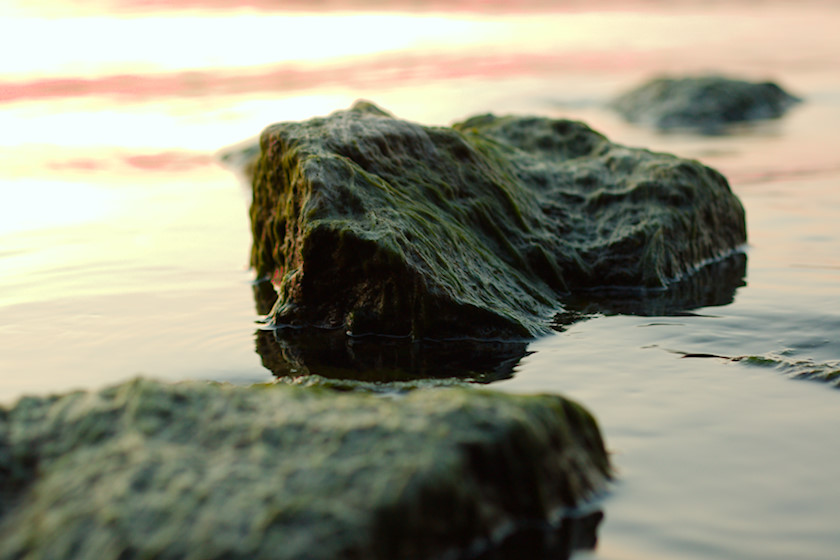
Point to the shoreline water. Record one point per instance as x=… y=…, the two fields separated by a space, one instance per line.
x=124 y=251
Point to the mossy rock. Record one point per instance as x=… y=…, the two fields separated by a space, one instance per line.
x=371 y=224
x=706 y=104
x=198 y=470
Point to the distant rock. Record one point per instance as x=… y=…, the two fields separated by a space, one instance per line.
x=241 y=158
x=198 y=470
x=372 y=224
x=705 y=104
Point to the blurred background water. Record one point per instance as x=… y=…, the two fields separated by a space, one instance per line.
x=124 y=242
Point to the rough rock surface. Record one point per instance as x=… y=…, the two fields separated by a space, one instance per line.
x=377 y=225
x=195 y=470
x=705 y=104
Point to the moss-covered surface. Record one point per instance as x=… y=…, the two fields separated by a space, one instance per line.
x=372 y=224
x=706 y=104
x=196 y=470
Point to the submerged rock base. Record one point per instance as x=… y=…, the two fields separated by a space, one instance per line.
x=289 y=352
x=371 y=224
x=195 y=470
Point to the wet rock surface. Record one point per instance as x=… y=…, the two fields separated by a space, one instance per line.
x=705 y=104
x=371 y=224
x=197 y=470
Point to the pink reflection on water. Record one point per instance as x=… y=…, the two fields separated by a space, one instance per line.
x=386 y=70
x=168 y=161
x=444 y=6
x=440 y=6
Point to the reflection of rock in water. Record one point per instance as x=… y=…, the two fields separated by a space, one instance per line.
x=540 y=540
x=333 y=354
x=712 y=285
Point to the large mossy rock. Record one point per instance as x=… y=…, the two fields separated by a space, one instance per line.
x=377 y=225
x=194 y=470
x=704 y=104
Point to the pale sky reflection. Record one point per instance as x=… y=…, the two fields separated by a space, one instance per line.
x=31 y=205
x=96 y=45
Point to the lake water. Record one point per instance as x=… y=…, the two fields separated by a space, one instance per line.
x=124 y=243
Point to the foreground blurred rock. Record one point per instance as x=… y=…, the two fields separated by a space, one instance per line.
x=377 y=225
x=704 y=104
x=194 y=470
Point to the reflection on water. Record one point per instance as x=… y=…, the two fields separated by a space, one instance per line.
x=711 y=286
x=335 y=355
x=539 y=541
x=123 y=247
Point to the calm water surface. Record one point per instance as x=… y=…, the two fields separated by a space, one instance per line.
x=124 y=243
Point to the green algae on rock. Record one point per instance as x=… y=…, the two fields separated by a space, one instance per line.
x=373 y=224
x=198 y=470
x=705 y=104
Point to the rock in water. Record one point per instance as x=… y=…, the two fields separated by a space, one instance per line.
x=378 y=225
x=194 y=470
x=705 y=104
